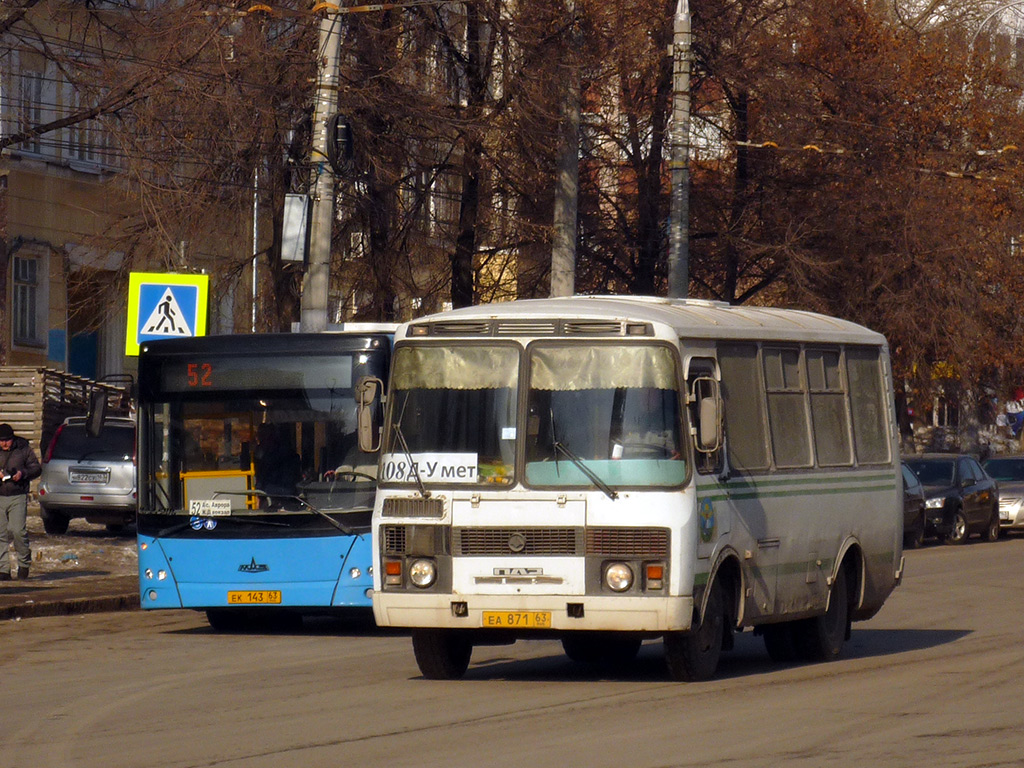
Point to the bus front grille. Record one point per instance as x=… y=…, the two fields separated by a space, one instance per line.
x=518 y=541
x=628 y=542
x=392 y=539
x=398 y=507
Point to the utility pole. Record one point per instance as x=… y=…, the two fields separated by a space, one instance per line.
x=563 y=237
x=679 y=162
x=316 y=281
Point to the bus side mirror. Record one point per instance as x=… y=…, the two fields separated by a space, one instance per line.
x=367 y=389
x=97 y=413
x=710 y=436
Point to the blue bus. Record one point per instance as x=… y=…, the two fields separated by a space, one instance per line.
x=255 y=494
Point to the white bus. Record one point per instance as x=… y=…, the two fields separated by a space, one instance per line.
x=608 y=469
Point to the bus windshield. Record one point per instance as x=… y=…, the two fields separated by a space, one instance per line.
x=453 y=415
x=598 y=414
x=612 y=408
x=224 y=427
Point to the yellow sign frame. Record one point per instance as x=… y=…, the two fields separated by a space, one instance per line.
x=136 y=283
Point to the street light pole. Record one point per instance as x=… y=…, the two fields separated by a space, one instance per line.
x=563 y=238
x=679 y=162
x=316 y=281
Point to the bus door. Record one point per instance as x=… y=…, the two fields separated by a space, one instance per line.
x=702 y=393
x=747 y=463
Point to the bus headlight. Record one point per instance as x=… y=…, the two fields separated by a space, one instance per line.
x=618 y=577
x=423 y=573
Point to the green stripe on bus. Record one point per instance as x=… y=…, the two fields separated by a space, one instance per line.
x=821 y=490
x=816 y=479
x=800 y=566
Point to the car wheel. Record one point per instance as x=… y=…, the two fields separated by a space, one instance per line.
x=442 y=654
x=54 y=522
x=692 y=656
x=821 y=638
x=958 y=533
x=913 y=538
x=992 y=531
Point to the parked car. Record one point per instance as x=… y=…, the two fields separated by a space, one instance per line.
x=1008 y=471
x=961 y=498
x=913 y=509
x=87 y=476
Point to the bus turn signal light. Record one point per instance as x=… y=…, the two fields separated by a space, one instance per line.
x=655 y=574
x=393 y=573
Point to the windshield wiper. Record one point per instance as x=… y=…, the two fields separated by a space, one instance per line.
x=405 y=449
x=554 y=439
x=264 y=495
x=591 y=475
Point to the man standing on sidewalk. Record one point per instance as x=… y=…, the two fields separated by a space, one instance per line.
x=18 y=465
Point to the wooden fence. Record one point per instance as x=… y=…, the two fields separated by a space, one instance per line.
x=34 y=401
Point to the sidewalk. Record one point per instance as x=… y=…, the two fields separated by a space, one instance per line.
x=87 y=570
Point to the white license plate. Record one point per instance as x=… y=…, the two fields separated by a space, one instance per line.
x=88 y=476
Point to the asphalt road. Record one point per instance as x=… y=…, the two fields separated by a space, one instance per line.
x=935 y=679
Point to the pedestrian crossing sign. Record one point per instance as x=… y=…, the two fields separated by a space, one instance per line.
x=165 y=306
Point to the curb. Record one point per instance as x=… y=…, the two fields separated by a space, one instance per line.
x=105 y=604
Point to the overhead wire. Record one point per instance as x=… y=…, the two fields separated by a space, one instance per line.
x=835 y=150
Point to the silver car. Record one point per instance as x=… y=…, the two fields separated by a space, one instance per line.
x=90 y=477
x=1009 y=471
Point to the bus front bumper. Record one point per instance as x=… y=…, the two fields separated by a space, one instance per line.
x=566 y=612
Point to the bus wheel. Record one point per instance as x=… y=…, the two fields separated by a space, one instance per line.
x=228 y=620
x=606 y=648
x=441 y=654
x=780 y=642
x=693 y=656
x=821 y=638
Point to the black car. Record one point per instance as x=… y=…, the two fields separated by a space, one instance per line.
x=961 y=498
x=913 y=509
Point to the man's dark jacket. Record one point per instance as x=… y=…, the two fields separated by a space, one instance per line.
x=21 y=456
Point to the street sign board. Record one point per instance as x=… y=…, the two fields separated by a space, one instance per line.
x=165 y=306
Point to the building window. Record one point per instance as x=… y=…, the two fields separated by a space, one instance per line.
x=31 y=111
x=25 y=303
x=87 y=140
x=83 y=144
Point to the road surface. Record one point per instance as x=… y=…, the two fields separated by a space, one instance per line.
x=935 y=679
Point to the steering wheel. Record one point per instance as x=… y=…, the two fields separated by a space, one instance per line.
x=353 y=475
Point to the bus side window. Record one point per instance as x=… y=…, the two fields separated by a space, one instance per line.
x=702 y=390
